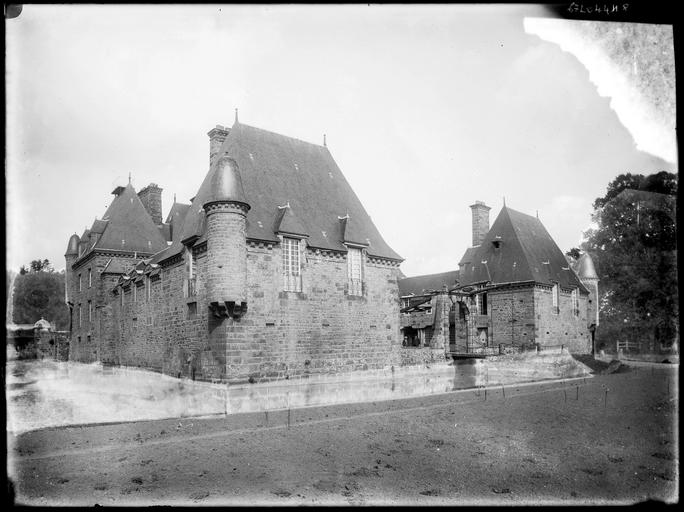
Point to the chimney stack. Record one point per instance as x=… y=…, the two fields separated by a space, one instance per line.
x=150 y=196
x=480 y=222
x=216 y=138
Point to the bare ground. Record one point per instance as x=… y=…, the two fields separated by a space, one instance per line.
x=611 y=439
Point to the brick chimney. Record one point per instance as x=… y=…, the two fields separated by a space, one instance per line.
x=216 y=138
x=480 y=222
x=150 y=196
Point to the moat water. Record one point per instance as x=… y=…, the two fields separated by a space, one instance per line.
x=44 y=393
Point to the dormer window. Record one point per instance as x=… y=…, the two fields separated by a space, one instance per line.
x=355 y=270
x=292 y=272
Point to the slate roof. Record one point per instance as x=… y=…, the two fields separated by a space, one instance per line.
x=419 y=285
x=276 y=170
x=113 y=267
x=526 y=253
x=126 y=219
x=98 y=226
x=177 y=213
x=467 y=255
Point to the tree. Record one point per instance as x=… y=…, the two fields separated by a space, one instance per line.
x=37 y=266
x=40 y=293
x=574 y=253
x=636 y=245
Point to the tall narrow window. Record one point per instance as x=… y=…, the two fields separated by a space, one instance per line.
x=135 y=292
x=191 y=269
x=79 y=315
x=355 y=271
x=292 y=275
x=90 y=311
x=148 y=288
x=122 y=298
x=575 y=302
x=555 y=293
x=482 y=304
x=79 y=282
x=90 y=278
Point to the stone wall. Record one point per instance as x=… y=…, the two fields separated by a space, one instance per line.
x=411 y=356
x=322 y=329
x=524 y=315
x=512 y=316
x=98 y=294
x=52 y=345
x=563 y=327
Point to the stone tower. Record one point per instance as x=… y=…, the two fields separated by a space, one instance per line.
x=584 y=267
x=587 y=274
x=71 y=256
x=226 y=223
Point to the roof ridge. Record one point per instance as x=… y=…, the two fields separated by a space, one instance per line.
x=279 y=135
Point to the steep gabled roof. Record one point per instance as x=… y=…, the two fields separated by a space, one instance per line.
x=419 y=285
x=276 y=170
x=525 y=253
x=177 y=213
x=128 y=220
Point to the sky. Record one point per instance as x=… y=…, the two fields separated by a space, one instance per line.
x=426 y=109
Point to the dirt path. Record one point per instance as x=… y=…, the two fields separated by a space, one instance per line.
x=565 y=443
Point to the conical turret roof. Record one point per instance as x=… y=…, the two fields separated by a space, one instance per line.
x=72 y=246
x=585 y=267
x=226 y=183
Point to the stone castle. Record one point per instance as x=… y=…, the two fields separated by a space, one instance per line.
x=273 y=270
x=513 y=289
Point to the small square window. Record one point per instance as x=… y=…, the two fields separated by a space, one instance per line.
x=192 y=309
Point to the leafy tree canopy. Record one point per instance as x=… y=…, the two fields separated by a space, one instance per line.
x=662 y=182
x=39 y=292
x=635 y=243
x=37 y=266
